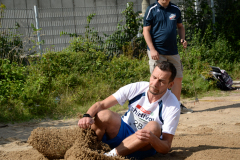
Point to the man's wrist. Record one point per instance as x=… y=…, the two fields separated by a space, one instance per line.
x=87 y=115
x=152 y=48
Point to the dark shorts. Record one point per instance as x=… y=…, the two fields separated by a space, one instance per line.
x=125 y=131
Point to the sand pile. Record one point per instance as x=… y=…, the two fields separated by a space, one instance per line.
x=69 y=143
x=22 y=155
x=53 y=142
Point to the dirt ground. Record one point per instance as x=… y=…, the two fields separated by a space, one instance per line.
x=212 y=131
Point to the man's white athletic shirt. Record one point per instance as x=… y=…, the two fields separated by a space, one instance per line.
x=165 y=111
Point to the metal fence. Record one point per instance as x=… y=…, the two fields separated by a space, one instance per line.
x=53 y=21
x=17 y=21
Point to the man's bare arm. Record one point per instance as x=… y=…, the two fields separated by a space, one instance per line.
x=85 y=122
x=101 y=105
x=161 y=146
x=148 y=39
x=181 y=32
x=164 y=145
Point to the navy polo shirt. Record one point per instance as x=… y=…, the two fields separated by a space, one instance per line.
x=163 y=24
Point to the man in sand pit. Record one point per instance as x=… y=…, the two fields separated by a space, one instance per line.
x=150 y=122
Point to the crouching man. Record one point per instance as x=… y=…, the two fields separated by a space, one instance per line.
x=150 y=122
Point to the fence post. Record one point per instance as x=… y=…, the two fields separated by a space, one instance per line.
x=213 y=11
x=37 y=27
x=197 y=9
x=145 y=4
x=213 y=15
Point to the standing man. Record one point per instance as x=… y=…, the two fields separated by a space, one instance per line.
x=149 y=124
x=160 y=23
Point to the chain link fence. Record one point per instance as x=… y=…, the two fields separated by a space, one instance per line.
x=15 y=23
x=53 y=21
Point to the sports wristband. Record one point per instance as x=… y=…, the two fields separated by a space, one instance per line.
x=87 y=115
x=182 y=41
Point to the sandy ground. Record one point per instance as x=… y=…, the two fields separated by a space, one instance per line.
x=212 y=131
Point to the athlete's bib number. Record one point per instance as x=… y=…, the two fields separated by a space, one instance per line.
x=137 y=122
x=138 y=125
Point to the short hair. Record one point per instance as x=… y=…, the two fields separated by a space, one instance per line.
x=168 y=66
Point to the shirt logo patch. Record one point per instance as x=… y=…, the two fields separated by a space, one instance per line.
x=172 y=16
x=143 y=110
x=158 y=10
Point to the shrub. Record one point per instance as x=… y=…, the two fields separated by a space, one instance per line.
x=12 y=79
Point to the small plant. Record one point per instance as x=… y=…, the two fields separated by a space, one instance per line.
x=87 y=43
x=135 y=48
x=110 y=44
x=127 y=32
x=12 y=79
x=11 y=43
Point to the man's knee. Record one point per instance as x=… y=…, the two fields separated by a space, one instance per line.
x=107 y=118
x=105 y=115
x=107 y=122
x=154 y=127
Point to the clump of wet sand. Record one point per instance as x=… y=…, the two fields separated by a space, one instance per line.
x=69 y=143
x=53 y=142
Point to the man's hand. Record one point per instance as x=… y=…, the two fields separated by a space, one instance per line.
x=184 y=43
x=144 y=135
x=85 y=122
x=154 y=54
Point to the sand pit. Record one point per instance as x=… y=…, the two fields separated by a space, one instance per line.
x=211 y=132
x=68 y=143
